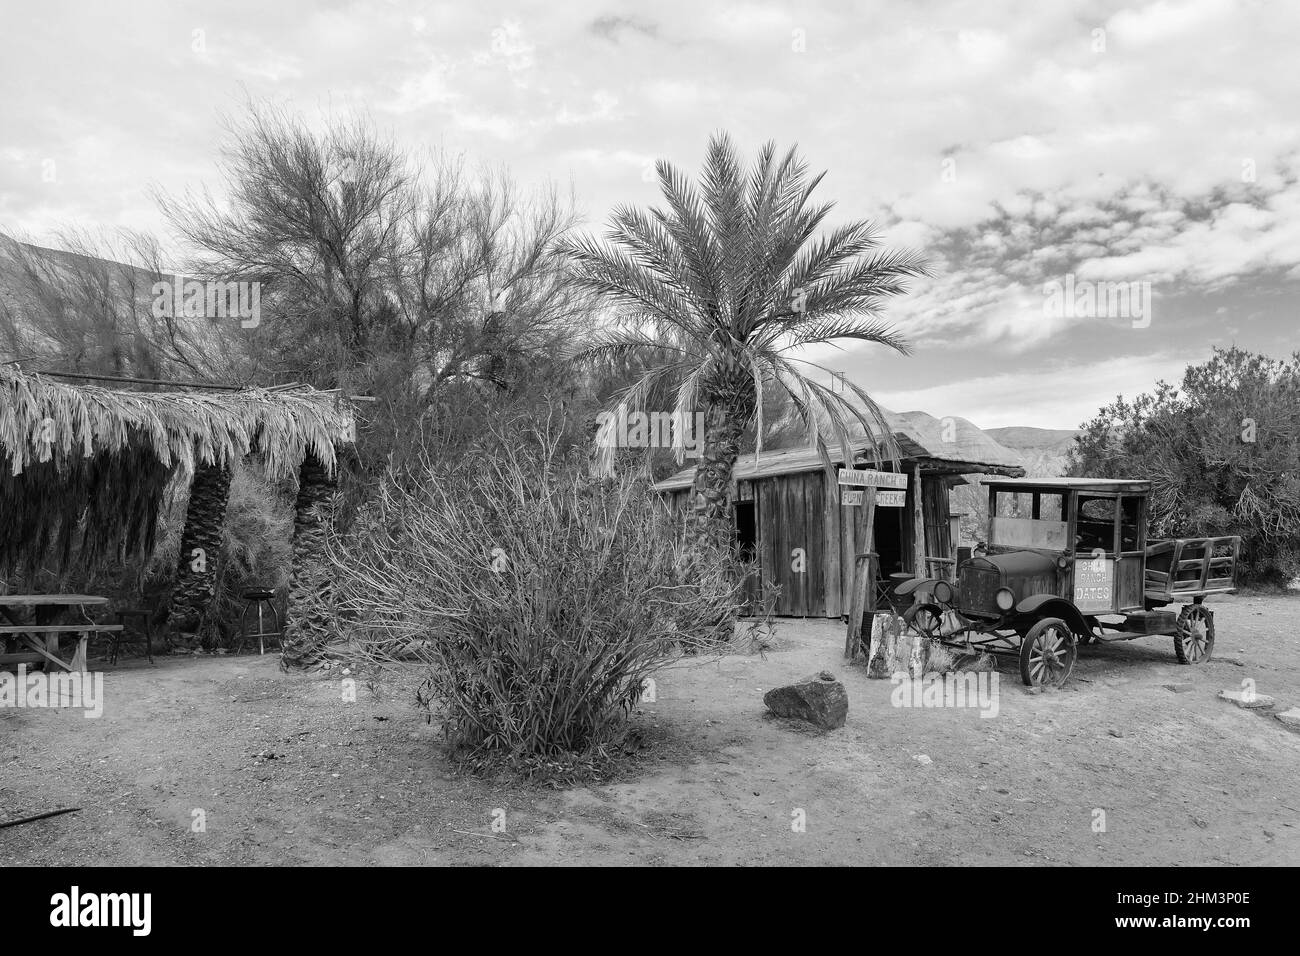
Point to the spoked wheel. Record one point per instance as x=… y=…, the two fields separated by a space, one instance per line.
x=1194 y=642
x=925 y=618
x=1047 y=653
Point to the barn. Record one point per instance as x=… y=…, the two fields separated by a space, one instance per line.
x=791 y=516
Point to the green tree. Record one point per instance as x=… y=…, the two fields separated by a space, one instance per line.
x=1222 y=455
x=730 y=281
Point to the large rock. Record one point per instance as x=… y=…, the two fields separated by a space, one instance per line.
x=819 y=699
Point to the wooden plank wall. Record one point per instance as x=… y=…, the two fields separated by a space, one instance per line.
x=938 y=528
x=803 y=510
x=832 y=585
x=791 y=516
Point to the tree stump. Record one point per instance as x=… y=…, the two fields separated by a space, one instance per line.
x=885 y=631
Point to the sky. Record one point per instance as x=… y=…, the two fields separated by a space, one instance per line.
x=1035 y=152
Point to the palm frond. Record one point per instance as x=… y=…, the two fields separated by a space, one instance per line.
x=79 y=459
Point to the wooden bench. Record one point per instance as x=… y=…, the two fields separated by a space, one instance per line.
x=39 y=653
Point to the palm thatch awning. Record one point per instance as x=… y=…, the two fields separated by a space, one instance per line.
x=89 y=465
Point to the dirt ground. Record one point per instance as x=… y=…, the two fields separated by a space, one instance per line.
x=285 y=772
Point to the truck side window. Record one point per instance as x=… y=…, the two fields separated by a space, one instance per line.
x=1130 y=509
x=1095 y=525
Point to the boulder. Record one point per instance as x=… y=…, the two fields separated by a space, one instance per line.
x=819 y=699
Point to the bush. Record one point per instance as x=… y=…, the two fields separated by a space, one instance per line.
x=539 y=598
x=1222 y=454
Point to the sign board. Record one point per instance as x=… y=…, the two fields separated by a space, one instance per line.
x=872 y=479
x=850 y=497
x=1094 y=582
x=890 y=498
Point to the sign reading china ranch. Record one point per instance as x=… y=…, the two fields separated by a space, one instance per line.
x=891 y=499
x=872 y=479
x=850 y=497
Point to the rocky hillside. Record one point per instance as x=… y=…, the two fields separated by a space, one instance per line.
x=1042 y=451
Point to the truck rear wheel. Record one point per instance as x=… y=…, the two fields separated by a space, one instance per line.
x=1194 y=641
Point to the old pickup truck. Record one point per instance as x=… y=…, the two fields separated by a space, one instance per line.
x=1068 y=563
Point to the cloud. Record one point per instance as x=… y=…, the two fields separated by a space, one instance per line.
x=1003 y=142
x=613 y=28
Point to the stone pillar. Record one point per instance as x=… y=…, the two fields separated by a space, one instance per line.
x=196 y=569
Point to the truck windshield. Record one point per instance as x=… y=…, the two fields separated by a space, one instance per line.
x=1028 y=519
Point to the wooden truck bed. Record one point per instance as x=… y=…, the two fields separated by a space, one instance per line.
x=1191 y=567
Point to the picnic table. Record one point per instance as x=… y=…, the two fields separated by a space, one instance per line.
x=40 y=636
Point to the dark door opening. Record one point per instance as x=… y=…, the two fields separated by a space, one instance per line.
x=747 y=550
x=889 y=540
x=746 y=531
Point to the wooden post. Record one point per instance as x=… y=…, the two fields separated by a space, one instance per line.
x=863 y=600
x=918 y=523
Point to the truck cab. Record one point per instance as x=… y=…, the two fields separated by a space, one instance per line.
x=1082 y=540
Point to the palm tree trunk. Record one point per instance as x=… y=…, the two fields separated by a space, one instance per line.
x=305 y=626
x=196 y=571
x=710 y=521
x=712 y=489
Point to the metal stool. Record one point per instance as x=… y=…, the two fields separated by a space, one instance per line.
x=146 y=627
x=259 y=604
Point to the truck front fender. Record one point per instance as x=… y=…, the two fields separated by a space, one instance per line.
x=1050 y=605
x=924 y=585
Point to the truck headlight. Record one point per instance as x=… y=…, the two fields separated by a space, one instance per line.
x=1005 y=599
x=943 y=592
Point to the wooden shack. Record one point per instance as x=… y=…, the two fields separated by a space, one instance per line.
x=788 y=512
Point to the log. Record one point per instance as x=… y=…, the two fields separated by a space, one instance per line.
x=885 y=630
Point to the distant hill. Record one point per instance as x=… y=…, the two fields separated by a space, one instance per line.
x=1043 y=451
x=954 y=437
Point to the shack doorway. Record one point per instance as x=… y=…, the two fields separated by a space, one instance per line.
x=890 y=543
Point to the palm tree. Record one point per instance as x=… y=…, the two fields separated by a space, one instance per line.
x=729 y=281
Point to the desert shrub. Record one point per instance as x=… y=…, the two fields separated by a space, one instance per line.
x=538 y=597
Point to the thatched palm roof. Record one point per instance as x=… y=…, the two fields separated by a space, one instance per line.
x=97 y=460
x=949 y=446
